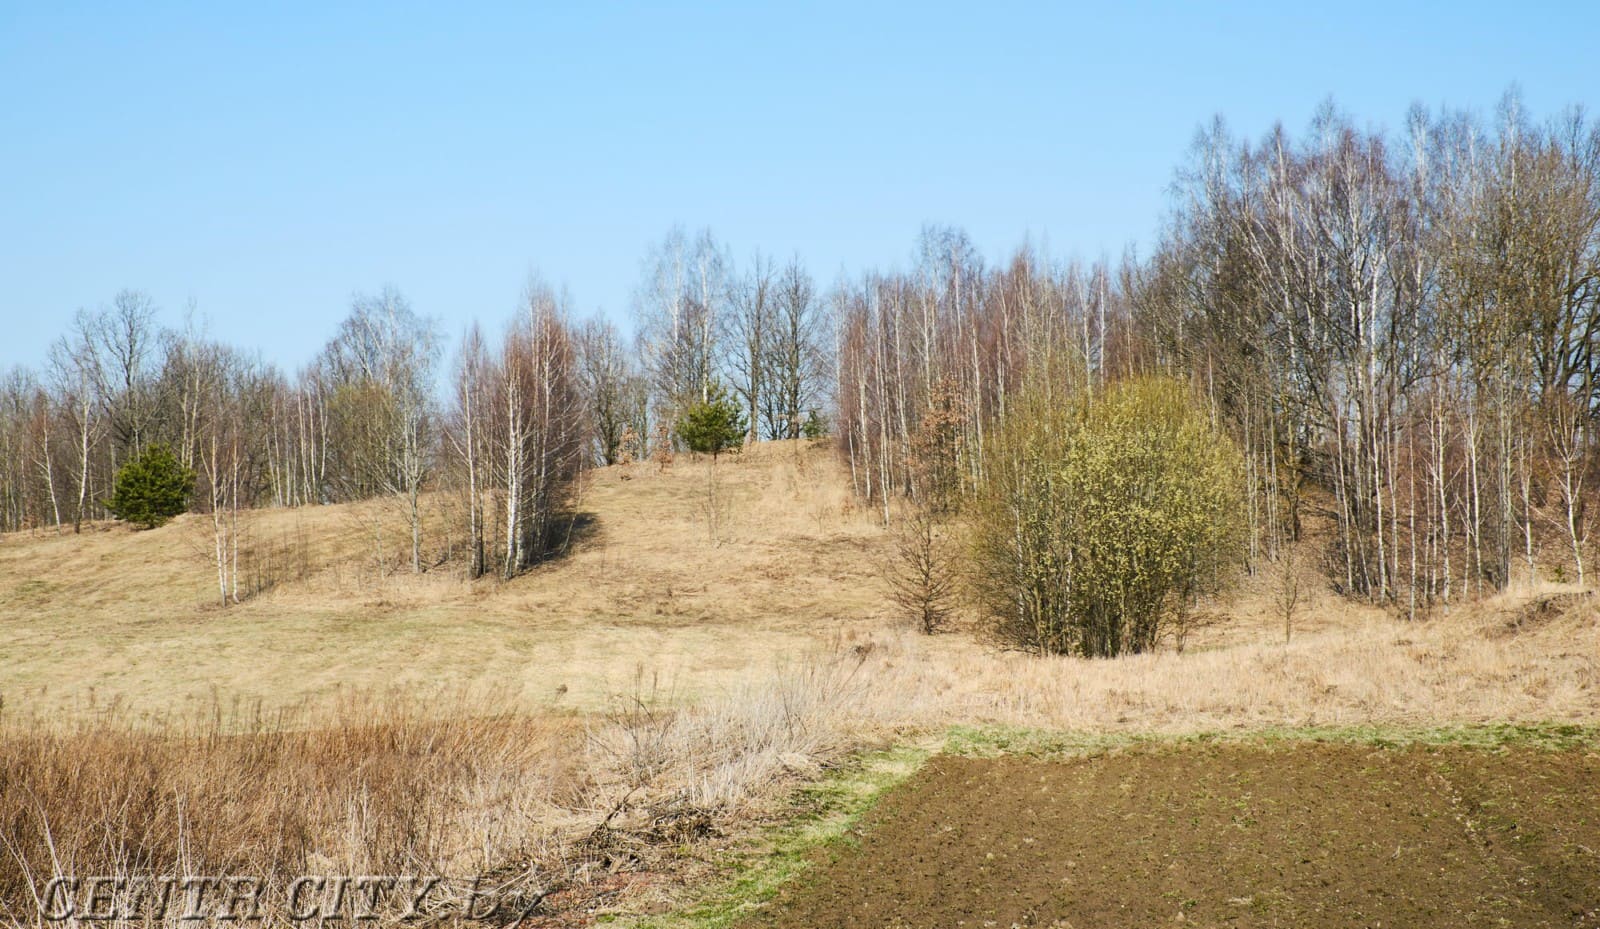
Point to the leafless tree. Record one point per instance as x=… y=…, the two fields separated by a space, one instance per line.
x=468 y=434
x=751 y=328
x=796 y=365
x=380 y=367
x=922 y=576
x=606 y=379
x=677 y=308
x=127 y=338
x=76 y=372
x=539 y=427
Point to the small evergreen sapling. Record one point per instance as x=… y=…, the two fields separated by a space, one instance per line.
x=712 y=426
x=815 y=427
x=151 y=488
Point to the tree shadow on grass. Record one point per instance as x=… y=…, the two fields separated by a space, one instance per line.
x=568 y=533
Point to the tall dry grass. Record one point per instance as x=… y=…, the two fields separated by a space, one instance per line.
x=1372 y=671
x=528 y=806
x=547 y=804
x=367 y=787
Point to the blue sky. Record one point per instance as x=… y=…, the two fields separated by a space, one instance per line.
x=268 y=160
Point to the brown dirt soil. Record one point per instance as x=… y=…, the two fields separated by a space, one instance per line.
x=1305 y=835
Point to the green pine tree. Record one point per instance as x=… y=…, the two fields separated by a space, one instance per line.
x=151 y=488
x=713 y=426
x=815 y=427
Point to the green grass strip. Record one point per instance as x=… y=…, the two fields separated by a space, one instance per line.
x=755 y=871
x=995 y=741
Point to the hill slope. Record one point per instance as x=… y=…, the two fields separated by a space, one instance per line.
x=656 y=600
x=115 y=614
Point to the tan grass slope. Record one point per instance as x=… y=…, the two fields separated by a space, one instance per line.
x=116 y=615
x=690 y=582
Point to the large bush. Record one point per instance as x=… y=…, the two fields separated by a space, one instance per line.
x=1101 y=523
x=151 y=488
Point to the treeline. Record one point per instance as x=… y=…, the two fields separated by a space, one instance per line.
x=1399 y=330
x=932 y=360
x=506 y=426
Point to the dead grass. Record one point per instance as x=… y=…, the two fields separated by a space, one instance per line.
x=531 y=806
x=371 y=788
x=659 y=684
x=1374 y=671
x=122 y=617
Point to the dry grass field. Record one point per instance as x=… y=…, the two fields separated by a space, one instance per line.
x=118 y=616
x=572 y=731
x=651 y=598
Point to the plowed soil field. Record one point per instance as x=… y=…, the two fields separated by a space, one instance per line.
x=1252 y=834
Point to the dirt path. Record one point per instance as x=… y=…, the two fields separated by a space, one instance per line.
x=1307 y=835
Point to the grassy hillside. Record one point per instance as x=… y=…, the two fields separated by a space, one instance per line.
x=598 y=733
x=118 y=615
x=655 y=599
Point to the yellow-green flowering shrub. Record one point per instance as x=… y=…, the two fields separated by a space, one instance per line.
x=1100 y=525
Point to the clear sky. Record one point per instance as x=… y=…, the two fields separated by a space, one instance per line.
x=268 y=160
